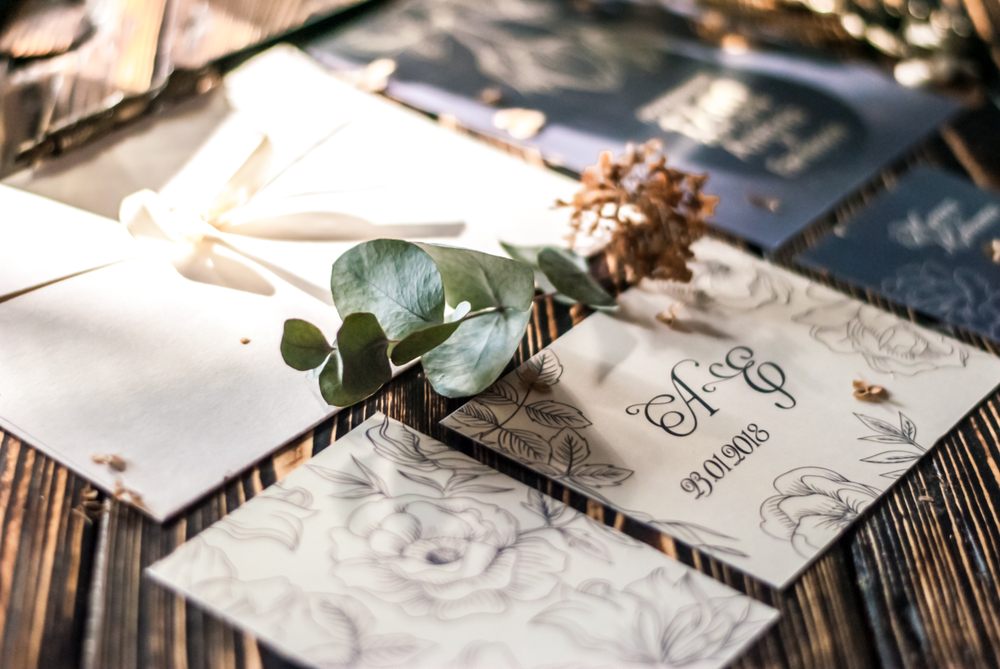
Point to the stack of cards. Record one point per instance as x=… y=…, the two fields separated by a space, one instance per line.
x=784 y=138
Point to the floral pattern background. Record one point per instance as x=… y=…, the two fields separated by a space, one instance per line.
x=389 y=549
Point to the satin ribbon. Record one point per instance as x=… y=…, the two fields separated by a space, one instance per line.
x=203 y=243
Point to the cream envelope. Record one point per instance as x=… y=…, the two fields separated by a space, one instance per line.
x=133 y=359
x=143 y=358
x=346 y=166
x=736 y=430
x=391 y=550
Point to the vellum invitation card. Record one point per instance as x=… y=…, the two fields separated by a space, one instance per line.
x=391 y=550
x=926 y=244
x=783 y=138
x=162 y=346
x=735 y=430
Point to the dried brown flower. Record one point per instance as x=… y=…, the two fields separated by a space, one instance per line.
x=652 y=212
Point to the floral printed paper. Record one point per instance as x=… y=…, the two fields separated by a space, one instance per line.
x=736 y=429
x=389 y=549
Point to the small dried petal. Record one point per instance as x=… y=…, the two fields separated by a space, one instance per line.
x=994 y=250
x=244 y=340
x=519 y=123
x=529 y=376
x=669 y=316
x=868 y=393
x=112 y=460
x=542 y=387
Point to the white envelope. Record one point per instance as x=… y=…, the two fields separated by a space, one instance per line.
x=736 y=430
x=135 y=359
x=391 y=550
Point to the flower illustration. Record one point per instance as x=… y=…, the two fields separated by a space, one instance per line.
x=814 y=506
x=325 y=629
x=742 y=286
x=654 y=621
x=888 y=344
x=448 y=557
x=550 y=52
x=961 y=296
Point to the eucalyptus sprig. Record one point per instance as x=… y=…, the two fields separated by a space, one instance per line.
x=391 y=296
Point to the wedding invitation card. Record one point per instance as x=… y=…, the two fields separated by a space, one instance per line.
x=783 y=138
x=926 y=244
x=736 y=429
x=158 y=340
x=391 y=549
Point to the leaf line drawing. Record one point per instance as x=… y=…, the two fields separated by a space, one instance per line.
x=555 y=448
x=887 y=433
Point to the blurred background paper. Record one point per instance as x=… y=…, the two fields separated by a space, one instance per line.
x=783 y=137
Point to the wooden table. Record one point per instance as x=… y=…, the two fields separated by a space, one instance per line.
x=916 y=583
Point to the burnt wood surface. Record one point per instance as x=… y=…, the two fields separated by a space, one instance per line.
x=915 y=583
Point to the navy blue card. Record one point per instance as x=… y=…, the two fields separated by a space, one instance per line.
x=783 y=138
x=926 y=244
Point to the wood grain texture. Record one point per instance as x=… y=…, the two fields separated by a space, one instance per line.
x=916 y=583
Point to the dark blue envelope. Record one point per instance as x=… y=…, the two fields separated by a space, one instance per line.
x=926 y=244
x=783 y=138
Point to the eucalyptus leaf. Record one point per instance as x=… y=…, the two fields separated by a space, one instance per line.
x=419 y=342
x=529 y=255
x=303 y=345
x=482 y=280
x=568 y=273
x=474 y=357
x=394 y=280
x=361 y=365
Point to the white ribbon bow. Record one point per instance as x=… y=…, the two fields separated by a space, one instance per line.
x=202 y=242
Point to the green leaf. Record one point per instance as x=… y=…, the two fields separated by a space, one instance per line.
x=476 y=354
x=361 y=365
x=525 y=254
x=481 y=279
x=394 y=280
x=303 y=346
x=419 y=342
x=568 y=273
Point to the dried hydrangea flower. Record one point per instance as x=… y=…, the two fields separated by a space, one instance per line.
x=651 y=213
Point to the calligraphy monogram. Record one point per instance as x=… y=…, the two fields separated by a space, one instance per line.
x=766 y=377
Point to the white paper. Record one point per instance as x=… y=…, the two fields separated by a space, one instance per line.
x=135 y=359
x=74 y=241
x=762 y=469
x=389 y=549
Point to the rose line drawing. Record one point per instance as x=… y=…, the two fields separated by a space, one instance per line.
x=813 y=506
x=888 y=344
